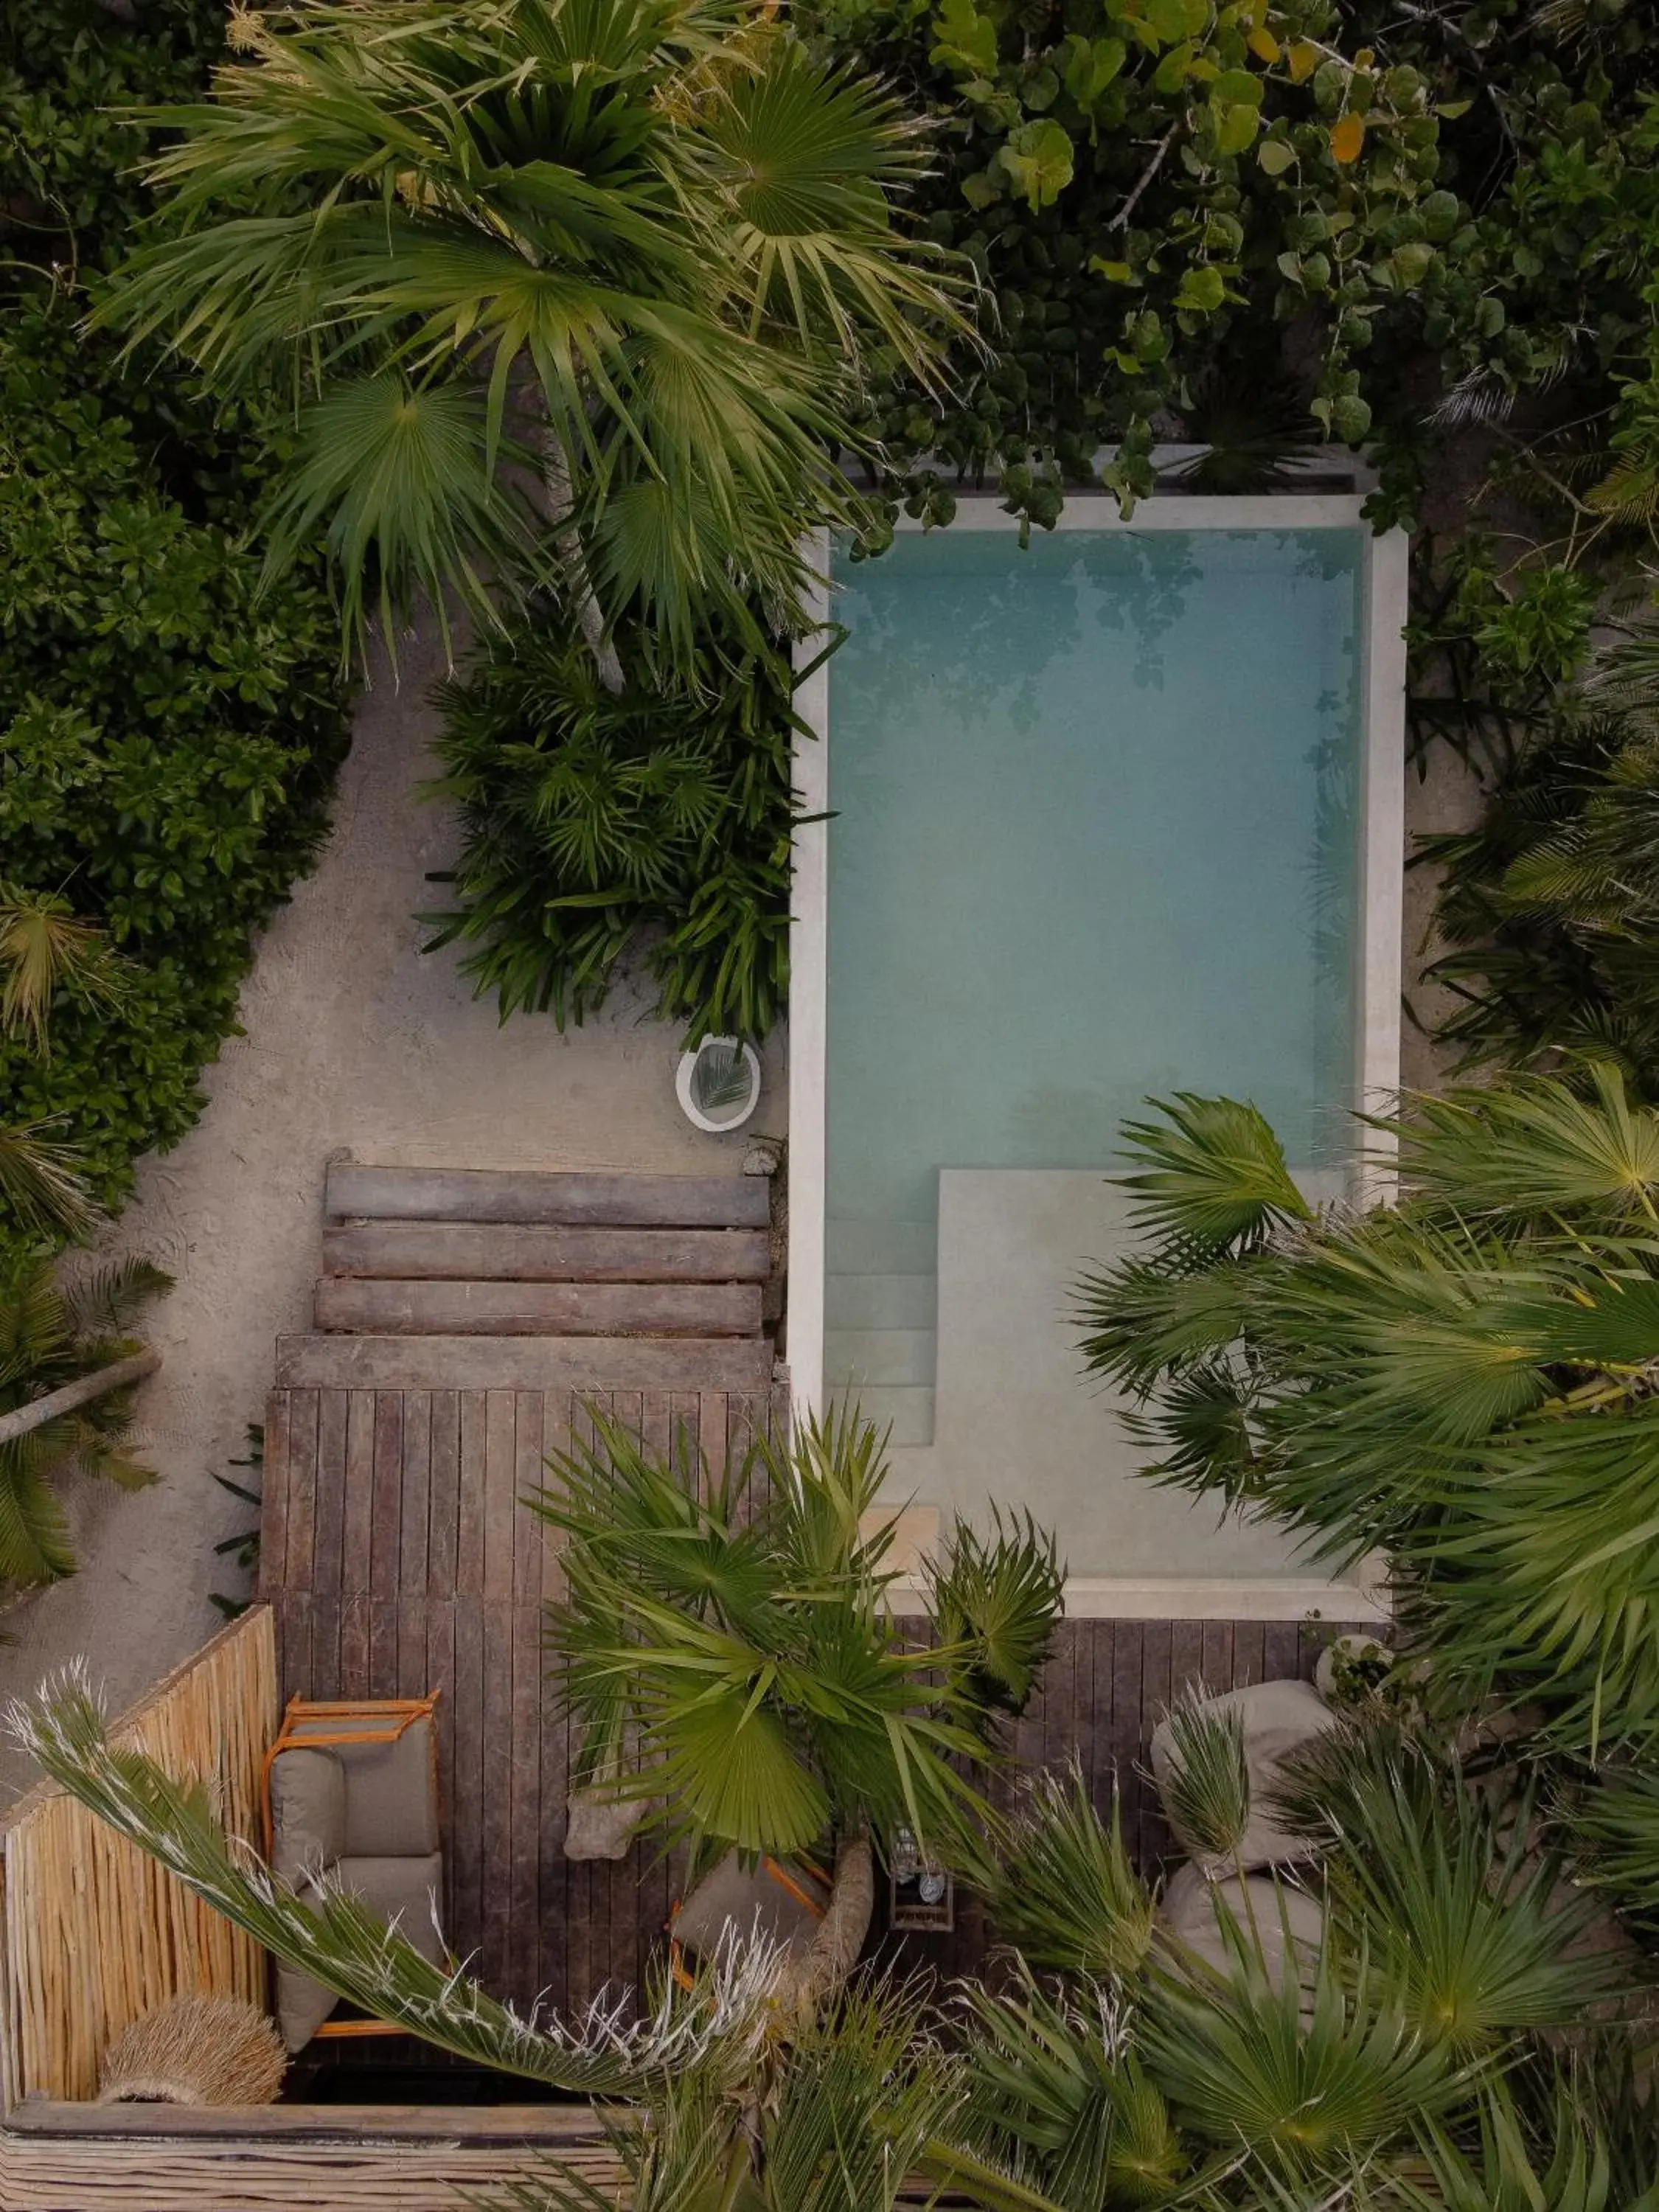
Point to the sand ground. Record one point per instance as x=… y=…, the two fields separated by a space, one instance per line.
x=356 y=1040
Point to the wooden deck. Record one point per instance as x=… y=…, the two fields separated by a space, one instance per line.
x=400 y=1556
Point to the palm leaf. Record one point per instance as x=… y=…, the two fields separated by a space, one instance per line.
x=1063 y=1891
x=1212 y=1174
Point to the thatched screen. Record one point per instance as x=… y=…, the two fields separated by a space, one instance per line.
x=95 y=1933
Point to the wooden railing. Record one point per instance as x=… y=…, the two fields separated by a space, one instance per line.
x=94 y=1933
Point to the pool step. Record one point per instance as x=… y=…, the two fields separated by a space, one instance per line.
x=855 y=1356
x=880 y=1302
x=908 y=1407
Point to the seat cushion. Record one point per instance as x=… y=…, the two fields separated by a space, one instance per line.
x=410 y=1891
x=782 y=1900
x=308 y=1811
x=1277 y=1719
x=391 y=1789
x=302 y=2005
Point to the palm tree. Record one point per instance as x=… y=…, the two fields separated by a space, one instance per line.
x=1462 y=1380
x=53 y=1335
x=726 y=1646
x=638 y=249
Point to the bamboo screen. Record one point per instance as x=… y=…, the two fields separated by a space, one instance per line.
x=96 y=1932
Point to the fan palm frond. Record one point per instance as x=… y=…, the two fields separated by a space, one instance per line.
x=1469 y=1926
x=1211 y=1175
x=1063 y=1891
x=998 y=1599
x=1206 y=1787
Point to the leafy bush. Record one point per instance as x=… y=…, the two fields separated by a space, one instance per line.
x=600 y=826
x=168 y=735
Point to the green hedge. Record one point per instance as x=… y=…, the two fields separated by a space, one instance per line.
x=167 y=737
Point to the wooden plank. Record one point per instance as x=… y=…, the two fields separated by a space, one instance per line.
x=469 y=1537
x=333 y=1408
x=558 y=1407
x=357 y=1492
x=523 y=1362
x=354 y=1644
x=383 y=1623
x=441 y=1677
x=495 y=1801
x=1249 y=1645
x=303 y=1455
x=466 y=1802
x=1281 y=1654
x=387 y=1508
x=529 y=1475
x=444 y=1497
x=612 y=1202
x=293 y=1670
x=1186 y=1658
x=382 y=1309
x=501 y=1472
x=415 y=1500
x=525 y=1809
x=510 y=1252
x=273 y=1495
x=1216 y=1662
x=502 y=2126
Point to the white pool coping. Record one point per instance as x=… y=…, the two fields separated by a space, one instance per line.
x=1385 y=581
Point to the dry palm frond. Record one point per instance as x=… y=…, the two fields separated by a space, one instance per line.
x=42 y=947
x=195 y=2051
x=41 y=1183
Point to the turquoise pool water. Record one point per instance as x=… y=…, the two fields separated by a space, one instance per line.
x=1095 y=836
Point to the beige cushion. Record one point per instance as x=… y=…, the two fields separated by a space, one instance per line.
x=407 y=1890
x=308 y=1811
x=302 y=2005
x=390 y=1799
x=752 y=1900
x=1287 y=1921
x=1278 y=1718
x=410 y=1891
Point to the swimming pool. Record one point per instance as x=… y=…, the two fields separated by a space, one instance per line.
x=1112 y=815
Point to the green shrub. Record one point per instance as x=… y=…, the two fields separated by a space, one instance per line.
x=597 y=829
x=167 y=737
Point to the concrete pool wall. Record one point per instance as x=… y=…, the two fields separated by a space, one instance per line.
x=1009 y=1393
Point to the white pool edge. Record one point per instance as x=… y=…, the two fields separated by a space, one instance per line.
x=1385 y=575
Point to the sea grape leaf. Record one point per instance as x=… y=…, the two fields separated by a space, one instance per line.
x=1038 y=160
x=965 y=37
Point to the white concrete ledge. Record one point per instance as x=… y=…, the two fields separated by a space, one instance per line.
x=1171 y=1597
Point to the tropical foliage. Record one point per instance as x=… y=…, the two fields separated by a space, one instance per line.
x=725 y=1646
x=1402 y=2061
x=1458 y=1381
x=168 y=733
x=1551 y=904
x=638 y=251
x=648 y=825
x=52 y=1333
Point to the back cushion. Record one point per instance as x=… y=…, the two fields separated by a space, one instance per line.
x=308 y=1811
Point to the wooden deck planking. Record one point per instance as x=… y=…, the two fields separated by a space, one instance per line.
x=402 y=1558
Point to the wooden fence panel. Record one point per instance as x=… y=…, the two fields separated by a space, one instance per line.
x=95 y=1932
